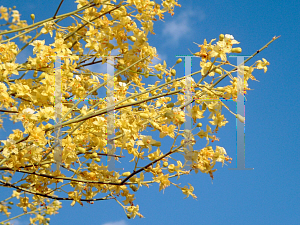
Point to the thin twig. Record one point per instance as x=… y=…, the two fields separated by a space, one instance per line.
x=47 y=20
x=58 y=9
x=254 y=54
x=150 y=164
x=50 y=196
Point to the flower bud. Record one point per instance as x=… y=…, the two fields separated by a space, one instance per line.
x=126 y=174
x=155 y=125
x=81 y=150
x=199 y=125
x=171 y=168
x=94 y=155
x=133 y=187
x=173 y=72
x=240 y=118
x=151 y=156
x=221 y=37
x=110 y=46
x=169 y=79
x=25 y=185
x=132 y=38
x=219 y=71
x=144 y=115
x=32 y=16
x=236 y=50
x=42 y=76
x=97 y=159
x=170 y=105
x=179 y=61
x=146 y=74
x=165 y=164
x=159 y=76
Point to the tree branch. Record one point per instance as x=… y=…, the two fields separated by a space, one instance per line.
x=58 y=9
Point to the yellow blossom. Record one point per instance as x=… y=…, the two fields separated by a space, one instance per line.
x=262 y=64
x=218 y=120
x=188 y=191
x=163 y=181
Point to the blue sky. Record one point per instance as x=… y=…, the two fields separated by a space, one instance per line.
x=269 y=194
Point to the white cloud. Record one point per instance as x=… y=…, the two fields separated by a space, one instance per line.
x=121 y=222
x=15 y=222
x=160 y=59
x=181 y=26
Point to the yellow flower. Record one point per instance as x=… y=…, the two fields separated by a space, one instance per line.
x=220 y=155
x=133 y=211
x=60 y=47
x=219 y=51
x=218 y=120
x=129 y=197
x=206 y=67
x=167 y=130
x=172 y=168
x=188 y=191
x=148 y=142
x=9 y=148
x=203 y=134
x=163 y=181
x=155 y=155
x=262 y=64
x=197 y=113
x=38 y=45
x=3 y=12
x=92 y=44
x=75 y=196
x=81 y=3
x=24 y=203
x=148 y=26
x=48 y=27
x=11 y=68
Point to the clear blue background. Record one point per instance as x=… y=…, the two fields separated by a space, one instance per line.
x=269 y=194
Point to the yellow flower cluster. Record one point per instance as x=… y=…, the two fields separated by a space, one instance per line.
x=87 y=140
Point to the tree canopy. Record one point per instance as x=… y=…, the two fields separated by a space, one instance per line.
x=79 y=124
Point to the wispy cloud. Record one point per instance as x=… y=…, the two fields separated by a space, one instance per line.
x=121 y=222
x=160 y=58
x=182 y=26
x=16 y=222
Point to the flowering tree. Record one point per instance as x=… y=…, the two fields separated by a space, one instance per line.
x=81 y=140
